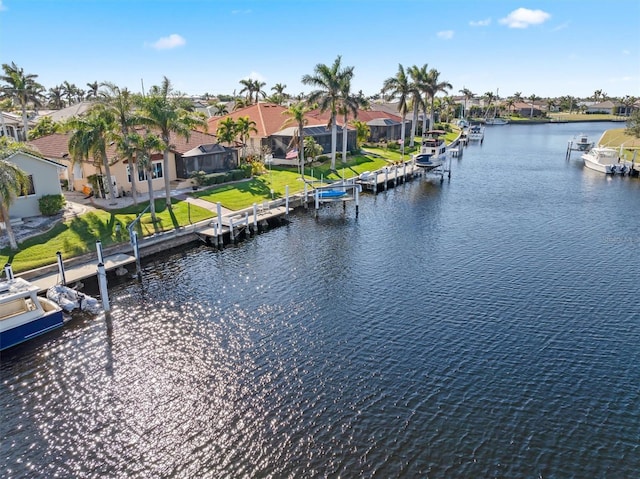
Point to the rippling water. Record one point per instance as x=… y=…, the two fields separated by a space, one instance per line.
x=486 y=327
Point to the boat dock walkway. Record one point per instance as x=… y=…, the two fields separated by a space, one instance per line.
x=79 y=272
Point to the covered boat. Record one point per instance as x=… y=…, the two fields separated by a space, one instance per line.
x=71 y=300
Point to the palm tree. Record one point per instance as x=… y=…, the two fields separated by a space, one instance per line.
x=23 y=89
x=91 y=135
x=143 y=147
x=168 y=113
x=532 y=98
x=257 y=88
x=244 y=128
x=418 y=77
x=247 y=86
x=297 y=114
x=121 y=102
x=599 y=95
x=509 y=103
x=362 y=132
x=517 y=96
x=92 y=92
x=13 y=182
x=221 y=109
x=398 y=87
x=433 y=86
x=226 y=132
x=311 y=148
x=468 y=95
x=56 y=99
x=349 y=104
x=279 y=96
x=329 y=82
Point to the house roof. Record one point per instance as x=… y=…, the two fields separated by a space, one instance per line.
x=70 y=111
x=11 y=119
x=57 y=145
x=364 y=116
x=315 y=130
x=383 y=122
x=268 y=117
x=36 y=157
x=205 y=149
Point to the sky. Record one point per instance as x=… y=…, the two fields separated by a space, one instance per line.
x=545 y=48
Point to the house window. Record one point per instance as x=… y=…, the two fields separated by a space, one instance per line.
x=156 y=172
x=28 y=189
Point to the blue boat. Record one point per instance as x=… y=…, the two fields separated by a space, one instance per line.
x=331 y=194
x=24 y=314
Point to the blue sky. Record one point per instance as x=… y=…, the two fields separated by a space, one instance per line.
x=546 y=48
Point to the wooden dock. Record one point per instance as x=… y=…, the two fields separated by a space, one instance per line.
x=248 y=221
x=77 y=273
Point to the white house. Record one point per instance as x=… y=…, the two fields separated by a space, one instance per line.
x=43 y=180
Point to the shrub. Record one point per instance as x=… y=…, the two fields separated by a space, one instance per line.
x=51 y=204
x=322 y=158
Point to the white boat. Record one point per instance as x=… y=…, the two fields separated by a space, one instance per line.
x=496 y=121
x=24 y=314
x=605 y=160
x=72 y=300
x=580 y=143
x=433 y=144
x=476 y=133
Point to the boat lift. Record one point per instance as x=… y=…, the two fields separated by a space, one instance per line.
x=346 y=190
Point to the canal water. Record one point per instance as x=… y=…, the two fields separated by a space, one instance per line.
x=485 y=327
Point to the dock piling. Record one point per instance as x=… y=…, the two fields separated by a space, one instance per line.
x=8 y=271
x=61 y=268
x=102 y=283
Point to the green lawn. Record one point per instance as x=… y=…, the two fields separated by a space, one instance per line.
x=79 y=235
x=258 y=189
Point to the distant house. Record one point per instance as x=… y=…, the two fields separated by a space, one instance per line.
x=607 y=107
x=11 y=126
x=43 y=180
x=527 y=109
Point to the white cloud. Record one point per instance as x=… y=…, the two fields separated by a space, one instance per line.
x=2 y=7
x=172 y=41
x=240 y=12
x=480 y=23
x=445 y=34
x=626 y=52
x=523 y=17
x=254 y=76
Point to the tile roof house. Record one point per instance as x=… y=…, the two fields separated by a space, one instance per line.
x=269 y=119
x=55 y=147
x=524 y=109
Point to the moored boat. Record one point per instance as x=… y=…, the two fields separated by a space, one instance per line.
x=605 y=160
x=24 y=314
x=496 y=121
x=580 y=143
x=72 y=300
x=476 y=133
x=433 y=144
